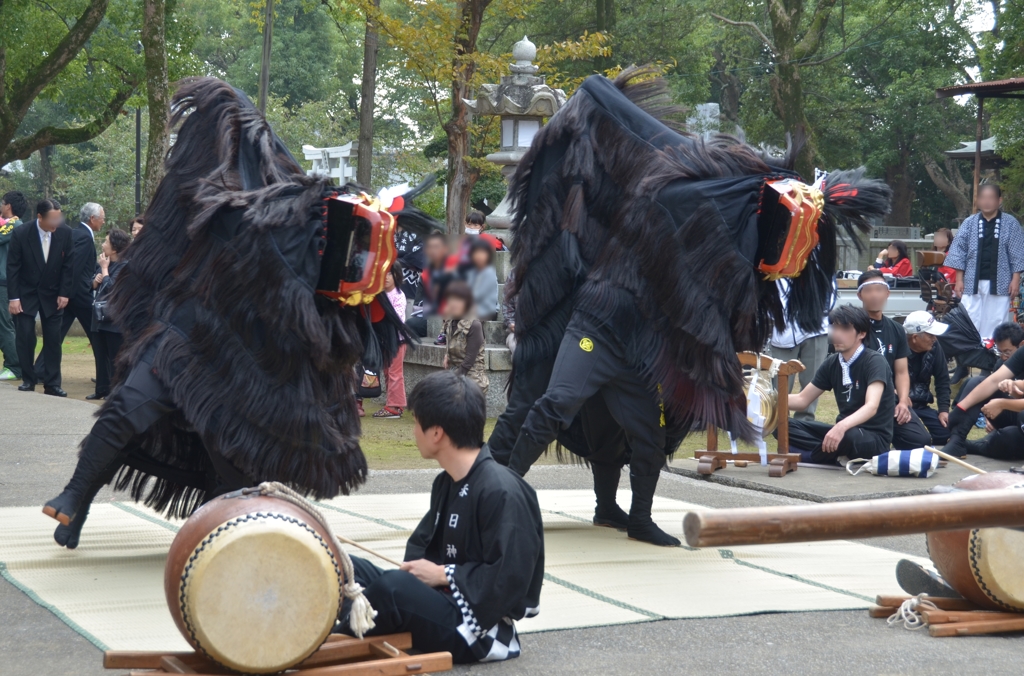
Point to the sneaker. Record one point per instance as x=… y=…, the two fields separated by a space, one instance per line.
x=388 y=412
x=8 y=374
x=441 y=340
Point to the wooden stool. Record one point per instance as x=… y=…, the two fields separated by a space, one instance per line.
x=374 y=656
x=780 y=463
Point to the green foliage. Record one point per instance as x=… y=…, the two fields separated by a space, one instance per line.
x=489 y=189
x=868 y=91
x=1002 y=51
x=101 y=170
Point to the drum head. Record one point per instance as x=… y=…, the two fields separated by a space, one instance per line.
x=996 y=555
x=261 y=593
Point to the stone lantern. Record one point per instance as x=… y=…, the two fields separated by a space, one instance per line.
x=522 y=101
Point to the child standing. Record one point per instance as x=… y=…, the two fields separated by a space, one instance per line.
x=395 y=371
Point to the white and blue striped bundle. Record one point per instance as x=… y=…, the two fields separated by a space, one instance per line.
x=918 y=463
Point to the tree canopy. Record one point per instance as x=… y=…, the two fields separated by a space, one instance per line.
x=853 y=81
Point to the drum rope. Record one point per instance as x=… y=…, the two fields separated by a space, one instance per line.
x=909 y=613
x=362 y=613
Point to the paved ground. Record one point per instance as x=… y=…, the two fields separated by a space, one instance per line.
x=35 y=462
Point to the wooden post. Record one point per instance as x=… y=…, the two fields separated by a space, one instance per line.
x=977 y=149
x=860 y=519
x=782 y=405
x=712 y=438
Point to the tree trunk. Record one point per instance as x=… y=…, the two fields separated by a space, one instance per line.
x=898 y=178
x=46 y=171
x=728 y=86
x=364 y=157
x=952 y=185
x=786 y=83
x=604 y=14
x=788 y=95
x=154 y=45
x=461 y=177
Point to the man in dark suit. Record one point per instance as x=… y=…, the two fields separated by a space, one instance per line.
x=40 y=267
x=90 y=219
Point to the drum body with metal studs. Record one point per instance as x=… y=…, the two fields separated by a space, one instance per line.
x=984 y=564
x=254 y=582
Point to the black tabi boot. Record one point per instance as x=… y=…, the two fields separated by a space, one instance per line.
x=96 y=465
x=525 y=453
x=641 y=526
x=606 y=485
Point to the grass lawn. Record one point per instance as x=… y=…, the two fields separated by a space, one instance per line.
x=388 y=444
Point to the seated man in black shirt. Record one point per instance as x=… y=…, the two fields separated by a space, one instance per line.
x=475 y=563
x=1007 y=338
x=860 y=380
x=1000 y=398
x=927 y=362
x=888 y=339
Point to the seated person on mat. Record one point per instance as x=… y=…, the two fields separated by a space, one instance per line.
x=475 y=563
x=859 y=377
x=1007 y=338
x=888 y=339
x=927 y=362
x=1000 y=398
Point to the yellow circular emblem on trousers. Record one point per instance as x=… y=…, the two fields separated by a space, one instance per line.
x=586 y=345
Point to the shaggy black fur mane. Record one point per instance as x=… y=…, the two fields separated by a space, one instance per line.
x=219 y=294
x=621 y=216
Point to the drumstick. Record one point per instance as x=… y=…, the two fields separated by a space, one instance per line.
x=368 y=550
x=947 y=456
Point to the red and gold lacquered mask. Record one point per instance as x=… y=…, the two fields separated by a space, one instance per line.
x=359 y=248
x=788 y=227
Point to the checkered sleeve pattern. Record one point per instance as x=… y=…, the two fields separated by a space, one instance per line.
x=1014 y=243
x=467 y=613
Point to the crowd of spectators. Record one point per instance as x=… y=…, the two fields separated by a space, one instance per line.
x=50 y=273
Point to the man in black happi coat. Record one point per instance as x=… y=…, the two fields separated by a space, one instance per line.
x=475 y=563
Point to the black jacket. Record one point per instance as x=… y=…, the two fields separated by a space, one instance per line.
x=923 y=367
x=85 y=264
x=486 y=531
x=29 y=279
x=103 y=296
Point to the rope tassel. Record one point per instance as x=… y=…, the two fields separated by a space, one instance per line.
x=361 y=615
x=909 y=613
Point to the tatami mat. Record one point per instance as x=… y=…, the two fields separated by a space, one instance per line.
x=111 y=588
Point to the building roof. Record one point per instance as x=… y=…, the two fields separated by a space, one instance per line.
x=994 y=89
x=966 y=149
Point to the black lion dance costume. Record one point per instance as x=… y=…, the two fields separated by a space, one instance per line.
x=644 y=259
x=246 y=303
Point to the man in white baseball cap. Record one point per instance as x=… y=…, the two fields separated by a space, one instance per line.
x=926 y=363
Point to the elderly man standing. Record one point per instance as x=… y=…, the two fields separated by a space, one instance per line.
x=91 y=218
x=988 y=256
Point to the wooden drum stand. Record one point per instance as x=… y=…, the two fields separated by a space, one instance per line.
x=779 y=463
x=375 y=656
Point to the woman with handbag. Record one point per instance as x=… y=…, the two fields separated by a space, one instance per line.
x=106 y=335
